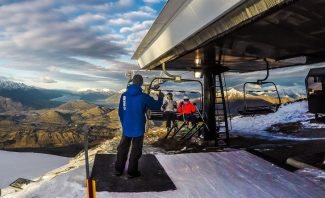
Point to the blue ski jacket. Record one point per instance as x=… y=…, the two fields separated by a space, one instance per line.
x=132 y=110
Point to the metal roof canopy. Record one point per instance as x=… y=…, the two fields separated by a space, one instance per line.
x=243 y=31
x=317 y=72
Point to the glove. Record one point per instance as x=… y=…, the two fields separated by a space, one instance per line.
x=194 y=103
x=164 y=106
x=182 y=104
x=161 y=95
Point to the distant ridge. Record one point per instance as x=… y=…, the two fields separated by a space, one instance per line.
x=92 y=94
x=29 y=96
x=76 y=105
x=10 y=85
x=116 y=97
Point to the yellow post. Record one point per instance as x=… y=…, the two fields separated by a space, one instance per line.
x=91 y=188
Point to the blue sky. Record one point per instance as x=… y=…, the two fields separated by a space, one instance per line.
x=76 y=44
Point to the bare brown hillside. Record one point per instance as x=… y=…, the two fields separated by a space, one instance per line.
x=6 y=104
x=76 y=105
x=51 y=117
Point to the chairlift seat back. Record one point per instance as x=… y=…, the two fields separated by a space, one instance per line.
x=259 y=109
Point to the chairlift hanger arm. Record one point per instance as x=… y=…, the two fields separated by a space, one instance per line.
x=175 y=77
x=267 y=72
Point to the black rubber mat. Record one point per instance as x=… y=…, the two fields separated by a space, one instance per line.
x=153 y=176
x=315 y=160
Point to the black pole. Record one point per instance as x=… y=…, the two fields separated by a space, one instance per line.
x=86 y=130
x=86 y=154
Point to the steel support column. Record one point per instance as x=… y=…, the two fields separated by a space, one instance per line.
x=209 y=105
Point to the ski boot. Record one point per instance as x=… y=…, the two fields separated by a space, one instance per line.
x=187 y=128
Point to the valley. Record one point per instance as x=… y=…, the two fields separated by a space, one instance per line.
x=56 y=128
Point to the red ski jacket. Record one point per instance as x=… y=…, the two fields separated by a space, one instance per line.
x=188 y=108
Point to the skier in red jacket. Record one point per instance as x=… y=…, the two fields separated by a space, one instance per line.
x=185 y=107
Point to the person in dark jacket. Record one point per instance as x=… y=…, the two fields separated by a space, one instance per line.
x=132 y=109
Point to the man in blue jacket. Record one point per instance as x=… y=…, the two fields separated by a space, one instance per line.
x=132 y=109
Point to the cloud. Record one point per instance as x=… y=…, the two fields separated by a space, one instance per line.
x=45 y=80
x=147 y=9
x=54 y=69
x=119 y=22
x=138 y=15
x=10 y=78
x=136 y=38
x=98 y=6
x=92 y=19
x=253 y=86
x=42 y=38
x=137 y=27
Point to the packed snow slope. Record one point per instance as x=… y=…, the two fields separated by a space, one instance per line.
x=201 y=175
x=26 y=165
x=224 y=174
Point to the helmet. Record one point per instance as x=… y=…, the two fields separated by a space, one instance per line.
x=186 y=98
x=169 y=95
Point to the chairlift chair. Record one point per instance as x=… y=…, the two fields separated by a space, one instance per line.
x=252 y=110
x=158 y=115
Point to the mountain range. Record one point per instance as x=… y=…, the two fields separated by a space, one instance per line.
x=23 y=96
x=116 y=97
x=29 y=96
x=39 y=98
x=90 y=94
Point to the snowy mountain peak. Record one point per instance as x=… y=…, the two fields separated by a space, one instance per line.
x=293 y=92
x=233 y=93
x=94 y=90
x=10 y=85
x=122 y=91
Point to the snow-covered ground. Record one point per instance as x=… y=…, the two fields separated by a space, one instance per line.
x=254 y=126
x=26 y=165
x=202 y=175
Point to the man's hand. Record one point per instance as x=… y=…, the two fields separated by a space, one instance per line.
x=161 y=95
x=194 y=103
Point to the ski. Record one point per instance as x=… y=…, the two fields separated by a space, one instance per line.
x=198 y=129
x=171 y=129
x=189 y=131
x=178 y=130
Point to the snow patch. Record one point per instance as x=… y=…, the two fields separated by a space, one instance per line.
x=253 y=126
x=10 y=85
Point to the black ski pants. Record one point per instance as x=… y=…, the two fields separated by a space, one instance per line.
x=123 y=151
x=189 y=116
x=171 y=116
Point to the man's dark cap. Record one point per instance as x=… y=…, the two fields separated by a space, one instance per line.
x=137 y=80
